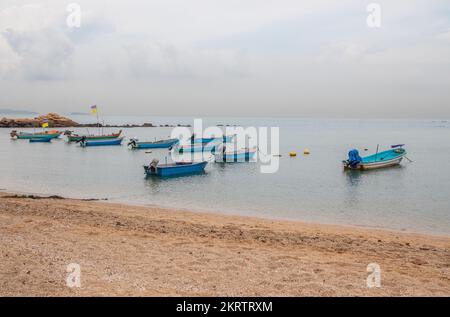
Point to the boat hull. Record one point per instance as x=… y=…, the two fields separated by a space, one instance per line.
x=91 y=143
x=78 y=138
x=225 y=139
x=154 y=145
x=40 y=140
x=234 y=157
x=377 y=165
x=176 y=169
x=196 y=148
x=26 y=136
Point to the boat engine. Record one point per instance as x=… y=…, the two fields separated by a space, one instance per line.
x=13 y=133
x=353 y=158
x=153 y=165
x=83 y=141
x=133 y=142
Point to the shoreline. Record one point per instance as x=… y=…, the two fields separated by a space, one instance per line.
x=152 y=251
x=226 y=213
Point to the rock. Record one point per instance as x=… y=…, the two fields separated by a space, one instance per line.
x=54 y=121
x=57 y=121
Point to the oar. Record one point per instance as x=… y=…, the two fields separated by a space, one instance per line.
x=408 y=159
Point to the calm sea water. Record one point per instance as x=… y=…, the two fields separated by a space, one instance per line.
x=314 y=188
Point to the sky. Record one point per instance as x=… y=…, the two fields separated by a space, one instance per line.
x=228 y=58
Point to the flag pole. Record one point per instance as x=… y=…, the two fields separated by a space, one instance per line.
x=98 y=123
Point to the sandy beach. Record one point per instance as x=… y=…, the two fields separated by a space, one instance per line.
x=150 y=251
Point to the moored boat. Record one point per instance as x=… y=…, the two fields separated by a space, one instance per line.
x=243 y=155
x=71 y=137
x=195 y=147
x=378 y=160
x=224 y=139
x=40 y=140
x=106 y=142
x=27 y=135
x=174 y=169
x=161 y=144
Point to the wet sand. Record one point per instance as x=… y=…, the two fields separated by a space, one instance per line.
x=150 y=251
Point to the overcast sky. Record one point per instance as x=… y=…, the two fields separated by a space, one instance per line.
x=228 y=57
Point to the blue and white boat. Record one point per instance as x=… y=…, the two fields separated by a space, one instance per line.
x=54 y=134
x=161 y=144
x=378 y=160
x=111 y=142
x=225 y=156
x=224 y=139
x=41 y=139
x=195 y=147
x=174 y=169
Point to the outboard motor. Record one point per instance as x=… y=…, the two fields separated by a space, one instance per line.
x=353 y=158
x=153 y=165
x=13 y=133
x=83 y=141
x=133 y=142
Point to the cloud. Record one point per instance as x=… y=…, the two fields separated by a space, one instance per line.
x=9 y=61
x=36 y=45
x=305 y=57
x=343 y=52
x=152 y=59
x=44 y=54
x=444 y=36
x=165 y=60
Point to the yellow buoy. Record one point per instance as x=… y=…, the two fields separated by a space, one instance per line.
x=306 y=151
x=292 y=154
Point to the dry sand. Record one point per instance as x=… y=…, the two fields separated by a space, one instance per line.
x=150 y=251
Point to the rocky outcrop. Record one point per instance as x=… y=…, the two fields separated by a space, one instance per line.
x=54 y=121
x=57 y=121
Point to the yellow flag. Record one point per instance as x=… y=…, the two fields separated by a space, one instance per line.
x=45 y=125
x=94 y=109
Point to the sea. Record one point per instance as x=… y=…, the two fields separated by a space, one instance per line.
x=413 y=197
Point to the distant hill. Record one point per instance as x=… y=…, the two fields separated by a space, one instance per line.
x=10 y=111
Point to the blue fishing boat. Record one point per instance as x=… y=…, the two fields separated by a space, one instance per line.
x=195 y=147
x=174 y=169
x=41 y=140
x=244 y=155
x=224 y=139
x=161 y=144
x=71 y=137
x=86 y=143
x=378 y=160
x=54 y=134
